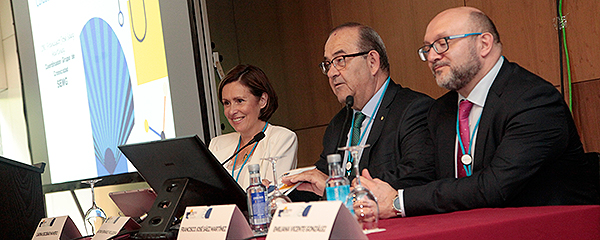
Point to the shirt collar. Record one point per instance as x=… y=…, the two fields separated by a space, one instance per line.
x=372 y=103
x=480 y=92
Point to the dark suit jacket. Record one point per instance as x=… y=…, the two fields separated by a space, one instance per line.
x=396 y=139
x=527 y=151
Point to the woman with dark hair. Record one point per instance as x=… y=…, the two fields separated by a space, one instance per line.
x=249 y=101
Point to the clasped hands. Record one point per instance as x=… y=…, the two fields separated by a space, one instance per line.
x=315 y=181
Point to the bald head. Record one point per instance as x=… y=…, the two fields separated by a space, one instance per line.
x=466 y=46
x=467 y=19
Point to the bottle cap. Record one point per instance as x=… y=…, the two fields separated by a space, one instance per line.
x=333 y=158
x=253 y=168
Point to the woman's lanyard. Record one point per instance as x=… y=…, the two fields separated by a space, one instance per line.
x=368 y=124
x=467 y=159
x=246 y=157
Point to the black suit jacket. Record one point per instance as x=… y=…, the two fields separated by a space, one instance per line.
x=527 y=151
x=396 y=139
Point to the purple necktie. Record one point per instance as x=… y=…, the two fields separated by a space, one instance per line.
x=463 y=118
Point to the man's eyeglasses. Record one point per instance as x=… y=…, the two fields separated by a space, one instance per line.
x=338 y=62
x=441 y=45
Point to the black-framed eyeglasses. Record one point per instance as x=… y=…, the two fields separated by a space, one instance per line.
x=338 y=62
x=441 y=45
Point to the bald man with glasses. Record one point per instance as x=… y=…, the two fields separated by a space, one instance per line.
x=393 y=117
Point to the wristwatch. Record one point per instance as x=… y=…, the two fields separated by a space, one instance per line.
x=396 y=206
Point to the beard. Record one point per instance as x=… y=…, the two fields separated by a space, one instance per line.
x=459 y=76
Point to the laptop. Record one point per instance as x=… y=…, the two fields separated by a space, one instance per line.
x=134 y=203
x=186 y=157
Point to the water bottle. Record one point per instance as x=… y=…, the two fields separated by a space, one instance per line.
x=337 y=185
x=258 y=210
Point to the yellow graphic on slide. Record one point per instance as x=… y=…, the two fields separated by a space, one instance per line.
x=148 y=42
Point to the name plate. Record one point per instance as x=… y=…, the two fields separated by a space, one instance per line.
x=113 y=225
x=214 y=222
x=57 y=228
x=314 y=220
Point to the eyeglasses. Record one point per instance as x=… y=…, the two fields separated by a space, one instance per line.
x=338 y=62
x=441 y=45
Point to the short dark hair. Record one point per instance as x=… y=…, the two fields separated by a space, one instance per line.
x=368 y=40
x=256 y=80
x=483 y=23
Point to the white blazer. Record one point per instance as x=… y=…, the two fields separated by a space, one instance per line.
x=278 y=142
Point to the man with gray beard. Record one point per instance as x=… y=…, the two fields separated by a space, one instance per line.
x=503 y=137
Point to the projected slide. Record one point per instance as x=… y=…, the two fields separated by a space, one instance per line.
x=109 y=94
x=103 y=81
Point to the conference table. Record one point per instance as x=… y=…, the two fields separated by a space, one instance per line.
x=548 y=222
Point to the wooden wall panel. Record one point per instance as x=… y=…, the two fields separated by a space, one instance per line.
x=582 y=31
x=310 y=145
x=586 y=99
x=350 y=11
x=527 y=33
x=401 y=25
x=308 y=100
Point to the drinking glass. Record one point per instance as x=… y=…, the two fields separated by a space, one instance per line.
x=94 y=215
x=275 y=197
x=363 y=202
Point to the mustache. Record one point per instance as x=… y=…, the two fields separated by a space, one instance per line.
x=439 y=64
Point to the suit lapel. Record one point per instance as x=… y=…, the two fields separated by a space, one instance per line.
x=378 y=122
x=447 y=136
x=484 y=132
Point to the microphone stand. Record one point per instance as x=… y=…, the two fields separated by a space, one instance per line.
x=346 y=127
x=259 y=136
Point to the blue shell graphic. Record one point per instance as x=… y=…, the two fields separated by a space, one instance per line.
x=110 y=98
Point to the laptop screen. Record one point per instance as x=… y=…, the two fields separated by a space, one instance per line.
x=186 y=157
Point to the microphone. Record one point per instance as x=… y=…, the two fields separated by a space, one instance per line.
x=259 y=136
x=346 y=126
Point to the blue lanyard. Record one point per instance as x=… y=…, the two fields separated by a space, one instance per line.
x=468 y=169
x=370 y=119
x=246 y=159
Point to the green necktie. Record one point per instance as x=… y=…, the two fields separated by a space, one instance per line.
x=359 y=117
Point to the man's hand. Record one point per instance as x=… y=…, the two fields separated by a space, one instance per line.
x=384 y=193
x=313 y=181
x=266 y=182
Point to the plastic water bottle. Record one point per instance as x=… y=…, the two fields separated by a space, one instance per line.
x=258 y=210
x=337 y=185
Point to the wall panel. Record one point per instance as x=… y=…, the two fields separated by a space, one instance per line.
x=350 y=11
x=586 y=99
x=582 y=31
x=402 y=25
x=310 y=145
x=308 y=100
x=527 y=33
